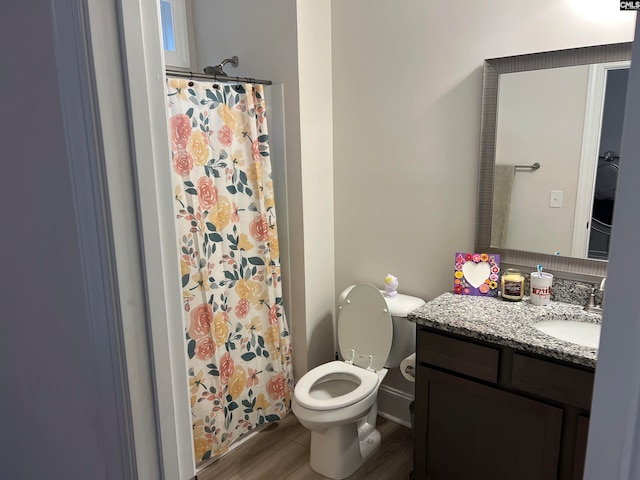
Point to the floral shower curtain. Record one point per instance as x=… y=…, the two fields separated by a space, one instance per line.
x=238 y=345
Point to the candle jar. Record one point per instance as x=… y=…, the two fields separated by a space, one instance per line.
x=512 y=283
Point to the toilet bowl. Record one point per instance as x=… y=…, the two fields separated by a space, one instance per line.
x=337 y=401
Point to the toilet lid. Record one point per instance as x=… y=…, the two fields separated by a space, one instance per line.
x=365 y=326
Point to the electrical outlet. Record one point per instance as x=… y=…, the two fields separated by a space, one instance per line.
x=555 y=199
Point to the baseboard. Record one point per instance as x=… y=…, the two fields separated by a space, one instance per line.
x=393 y=404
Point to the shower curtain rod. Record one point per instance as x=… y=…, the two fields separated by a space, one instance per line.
x=217 y=78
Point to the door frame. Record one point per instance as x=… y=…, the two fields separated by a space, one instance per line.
x=111 y=70
x=594 y=109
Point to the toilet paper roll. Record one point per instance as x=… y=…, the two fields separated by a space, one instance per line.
x=408 y=367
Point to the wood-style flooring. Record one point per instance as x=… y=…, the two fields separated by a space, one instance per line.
x=281 y=452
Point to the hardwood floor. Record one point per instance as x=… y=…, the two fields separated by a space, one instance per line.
x=281 y=451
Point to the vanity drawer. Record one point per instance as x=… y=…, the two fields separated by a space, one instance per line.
x=459 y=356
x=550 y=380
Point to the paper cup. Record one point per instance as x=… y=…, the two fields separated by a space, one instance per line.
x=541 y=288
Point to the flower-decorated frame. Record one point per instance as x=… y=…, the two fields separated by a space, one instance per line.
x=476 y=274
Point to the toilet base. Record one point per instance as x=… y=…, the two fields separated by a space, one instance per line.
x=339 y=451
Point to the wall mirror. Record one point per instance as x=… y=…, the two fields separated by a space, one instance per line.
x=542 y=128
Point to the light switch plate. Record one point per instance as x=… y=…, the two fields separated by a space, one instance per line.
x=555 y=199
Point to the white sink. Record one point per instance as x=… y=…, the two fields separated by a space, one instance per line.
x=586 y=334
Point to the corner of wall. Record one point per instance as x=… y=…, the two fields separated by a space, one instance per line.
x=316 y=138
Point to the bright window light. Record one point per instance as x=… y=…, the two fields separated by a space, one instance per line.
x=168 y=37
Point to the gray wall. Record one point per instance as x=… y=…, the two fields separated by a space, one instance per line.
x=50 y=421
x=613 y=113
x=614 y=441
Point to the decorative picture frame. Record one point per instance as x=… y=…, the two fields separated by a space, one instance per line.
x=476 y=274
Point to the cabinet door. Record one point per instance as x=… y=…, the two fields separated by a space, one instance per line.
x=466 y=430
x=580 y=454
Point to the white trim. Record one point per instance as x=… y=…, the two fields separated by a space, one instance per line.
x=114 y=128
x=393 y=404
x=145 y=82
x=594 y=110
x=588 y=160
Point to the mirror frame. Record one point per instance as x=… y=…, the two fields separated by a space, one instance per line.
x=493 y=68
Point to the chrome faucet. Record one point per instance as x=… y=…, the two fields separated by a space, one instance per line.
x=601 y=288
x=591 y=301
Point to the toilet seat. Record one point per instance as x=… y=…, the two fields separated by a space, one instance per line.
x=365 y=328
x=368 y=383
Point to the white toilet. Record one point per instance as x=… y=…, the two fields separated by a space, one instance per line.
x=337 y=401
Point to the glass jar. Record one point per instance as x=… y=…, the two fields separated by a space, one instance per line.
x=512 y=283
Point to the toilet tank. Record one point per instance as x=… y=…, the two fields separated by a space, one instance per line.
x=404 y=331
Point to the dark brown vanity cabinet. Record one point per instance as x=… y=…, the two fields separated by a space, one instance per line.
x=485 y=411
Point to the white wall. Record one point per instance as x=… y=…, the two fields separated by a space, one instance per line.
x=407 y=85
x=316 y=135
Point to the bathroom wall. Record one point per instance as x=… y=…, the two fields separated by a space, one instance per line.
x=407 y=85
x=316 y=137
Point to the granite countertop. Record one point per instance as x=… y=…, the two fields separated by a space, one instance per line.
x=506 y=323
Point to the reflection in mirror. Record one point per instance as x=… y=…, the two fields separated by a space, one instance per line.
x=542 y=115
x=608 y=162
x=547 y=108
